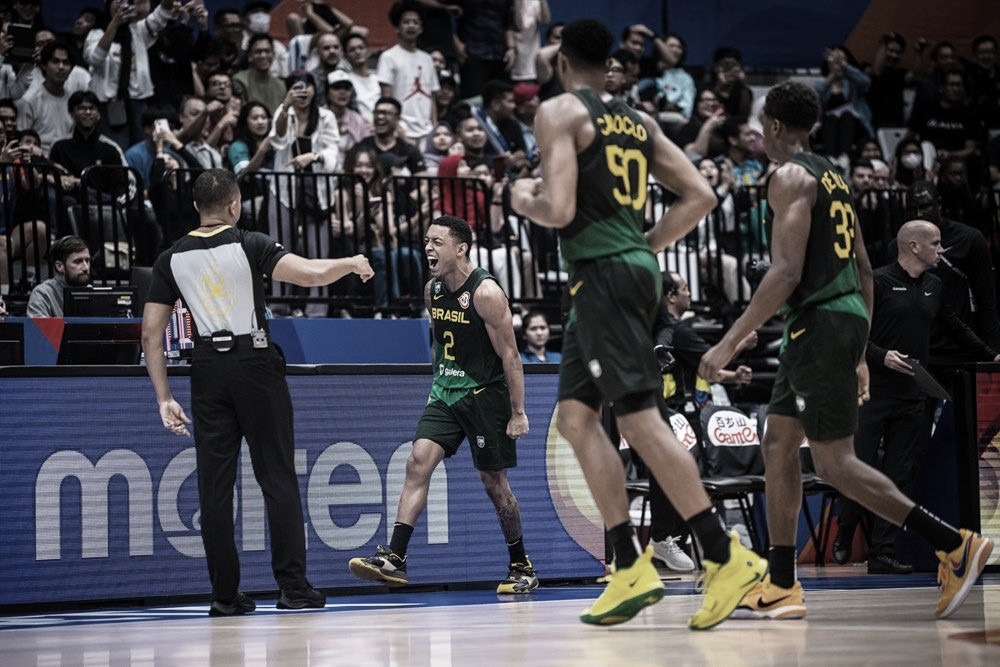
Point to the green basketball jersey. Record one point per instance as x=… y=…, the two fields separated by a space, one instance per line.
x=464 y=357
x=830 y=279
x=611 y=184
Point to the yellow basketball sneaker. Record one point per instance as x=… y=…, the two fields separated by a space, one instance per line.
x=958 y=571
x=726 y=585
x=629 y=590
x=767 y=600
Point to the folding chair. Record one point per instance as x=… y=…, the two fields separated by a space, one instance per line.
x=733 y=466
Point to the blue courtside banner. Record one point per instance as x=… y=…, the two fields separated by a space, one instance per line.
x=100 y=503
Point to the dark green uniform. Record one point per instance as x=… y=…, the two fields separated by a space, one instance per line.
x=615 y=284
x=469 y=396
x=826 y=325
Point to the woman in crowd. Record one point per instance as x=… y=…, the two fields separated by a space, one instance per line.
x=304 y=137
x=846 y=115
x=368 y=221
x=677 y=86
x=439 y=146
x=481 y=205
x=907 y=164
x=251 y=150
x=702 y=136
x=719 y=268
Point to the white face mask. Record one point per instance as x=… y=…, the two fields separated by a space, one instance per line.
x=911 y=160
x=259 y=22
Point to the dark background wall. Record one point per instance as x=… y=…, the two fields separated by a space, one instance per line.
x=770 y=33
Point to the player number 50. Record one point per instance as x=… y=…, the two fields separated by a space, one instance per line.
x=628 y=191
x=844 y=245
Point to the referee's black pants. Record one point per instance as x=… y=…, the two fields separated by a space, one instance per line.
x=897 y=424
x=236 y=394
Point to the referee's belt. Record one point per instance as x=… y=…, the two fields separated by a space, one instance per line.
x=224 y=341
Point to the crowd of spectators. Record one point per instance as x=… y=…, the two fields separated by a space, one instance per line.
x=463 y=78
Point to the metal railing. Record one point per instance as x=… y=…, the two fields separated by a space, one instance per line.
x=127 y=223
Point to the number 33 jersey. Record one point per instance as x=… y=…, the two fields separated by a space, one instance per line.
x=830 y=278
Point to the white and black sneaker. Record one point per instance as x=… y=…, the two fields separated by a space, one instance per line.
x=384 y=566
x=521 y=578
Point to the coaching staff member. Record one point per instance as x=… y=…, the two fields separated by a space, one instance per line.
x=238 y=383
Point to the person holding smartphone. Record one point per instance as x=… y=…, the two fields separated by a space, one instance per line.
x=305 y=139
x=124 y=92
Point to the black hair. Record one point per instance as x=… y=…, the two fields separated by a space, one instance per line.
x=731 y=128
x=794 y=104
x=532 y=314
x=458 y=228
x=925 y=188
x=351 y=161
x=96 y=12
x=894 y=38
x=213 y=189
x=28 y=132
x=552 y=27
x=939 y=47
x=626 y=58
x=684 y=46
x=222 y=11
x=461 y=113
x=66 y=246
x=79 y=97
x=724 y=52
x=242 y=128
x=49 y=50
x=353 y=35
x=628 y=30
x=399 y=8
x=494 y=90
x=9 y=103
x=824 y=67
x=860 y=162
x=983 y=39
x=587 y=42
x=306 y=77
x=670 y=286
x=255 y=5
x=152 y=112
x=259 y=37
x=393 y=101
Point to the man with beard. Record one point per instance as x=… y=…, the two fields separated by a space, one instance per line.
x=71 y=262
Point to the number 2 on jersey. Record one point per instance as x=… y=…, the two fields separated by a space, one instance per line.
x=628 y=191
x=449 y=342
x=844 y=245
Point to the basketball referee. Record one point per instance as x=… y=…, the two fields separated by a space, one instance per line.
x=238 y=386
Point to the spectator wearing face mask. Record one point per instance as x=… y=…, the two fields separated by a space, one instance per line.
x=257 y=18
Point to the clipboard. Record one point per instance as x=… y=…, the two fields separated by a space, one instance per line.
x=926 y=381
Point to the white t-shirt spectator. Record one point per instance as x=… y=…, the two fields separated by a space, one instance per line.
x=414 y=81
x=47 y=115
x=367 y=91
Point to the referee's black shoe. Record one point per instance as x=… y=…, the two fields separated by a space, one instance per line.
x=842 y=544
x=301 y=598
x=886 y=564
x=239 y=605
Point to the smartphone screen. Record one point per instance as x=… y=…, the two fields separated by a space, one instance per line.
x=161 y=125
x=23 y=50
x=499 y=167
